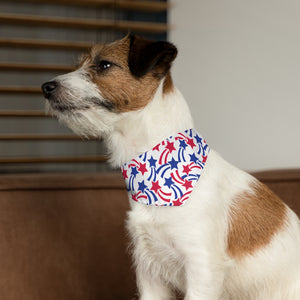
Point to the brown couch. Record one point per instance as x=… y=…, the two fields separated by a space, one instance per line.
x=62 y=237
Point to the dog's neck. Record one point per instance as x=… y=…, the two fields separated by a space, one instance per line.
x=139 y=131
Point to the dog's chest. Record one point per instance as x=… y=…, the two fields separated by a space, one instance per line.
x=155 y=248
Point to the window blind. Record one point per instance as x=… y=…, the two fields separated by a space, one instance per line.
x=40 y=39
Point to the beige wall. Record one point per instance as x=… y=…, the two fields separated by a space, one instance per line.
x=239 y=69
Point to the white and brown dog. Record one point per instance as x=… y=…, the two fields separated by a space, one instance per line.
x=233 y=238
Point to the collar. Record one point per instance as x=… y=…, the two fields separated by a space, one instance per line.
x=167 y=174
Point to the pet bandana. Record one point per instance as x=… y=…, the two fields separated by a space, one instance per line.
x=166 y=175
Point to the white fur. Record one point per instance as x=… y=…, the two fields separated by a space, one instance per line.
x=77 y=90
x=185 y=247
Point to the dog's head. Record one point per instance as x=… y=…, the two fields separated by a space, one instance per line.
x=111 y=80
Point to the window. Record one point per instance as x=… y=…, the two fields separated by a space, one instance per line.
x=39 y=40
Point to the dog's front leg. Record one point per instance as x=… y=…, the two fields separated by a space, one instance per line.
x=203 y=280
x=204 y=265
x=149 y=269
x=151 y=288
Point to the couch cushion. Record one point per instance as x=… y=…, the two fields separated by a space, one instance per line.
x=62 y=236
x=285 y=183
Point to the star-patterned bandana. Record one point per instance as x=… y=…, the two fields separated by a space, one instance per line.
x=166 y=175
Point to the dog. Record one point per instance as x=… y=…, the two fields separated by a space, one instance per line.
x=198 y=224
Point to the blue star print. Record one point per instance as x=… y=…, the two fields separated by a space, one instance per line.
x=169 y=182
x=152 y=162
x=134 y=171
x=182 y=144
x=142 y=186
x=193 y=157
x=198 y=139
x=173 y=163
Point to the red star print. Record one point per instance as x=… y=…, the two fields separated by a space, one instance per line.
x=124 y=173
x=186 y=169
x=177 y=202
x=187 y=184
x=142 y=168
x=191 y=143
x=155 y=186
x=170 y=146
x=204 y=158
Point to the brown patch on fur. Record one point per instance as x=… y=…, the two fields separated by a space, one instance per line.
x=121 y=86
x=168 y=86
x=254 y=219
x=118 y=85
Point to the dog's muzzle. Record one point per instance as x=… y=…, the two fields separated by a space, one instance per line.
x=49 y=88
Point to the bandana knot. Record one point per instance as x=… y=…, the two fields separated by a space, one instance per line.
x=166 y=175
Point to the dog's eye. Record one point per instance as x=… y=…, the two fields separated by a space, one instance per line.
x=103 y=65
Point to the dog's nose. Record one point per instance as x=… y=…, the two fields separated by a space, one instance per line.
x=48 y=88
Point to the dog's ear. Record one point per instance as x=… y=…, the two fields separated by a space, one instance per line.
x=145 y=55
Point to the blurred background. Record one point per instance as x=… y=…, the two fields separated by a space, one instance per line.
x=238 y=67
x=40 y=39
